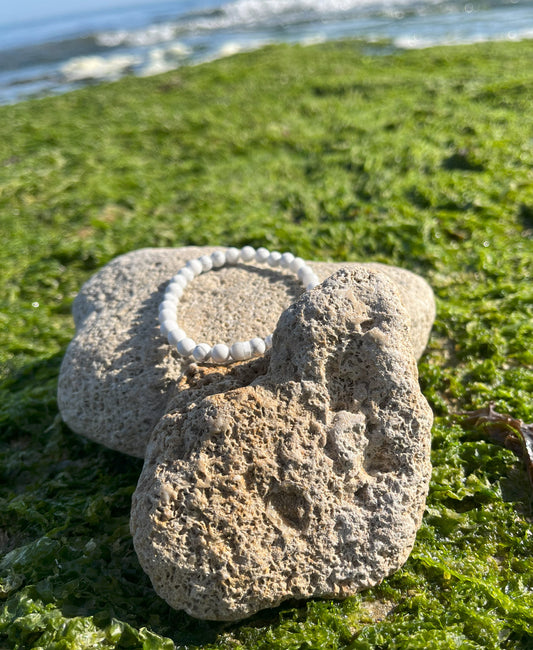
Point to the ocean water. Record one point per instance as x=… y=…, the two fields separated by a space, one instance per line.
x=58 y=54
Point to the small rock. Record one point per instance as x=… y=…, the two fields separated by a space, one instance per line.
x=308 y=481
x=119 y=374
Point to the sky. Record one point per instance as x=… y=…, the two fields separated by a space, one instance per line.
x=12 y=11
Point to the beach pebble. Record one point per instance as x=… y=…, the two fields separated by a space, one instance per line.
x=309 y=481
x=120 y=374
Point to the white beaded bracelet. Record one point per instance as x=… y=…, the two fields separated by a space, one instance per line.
x=220 y=352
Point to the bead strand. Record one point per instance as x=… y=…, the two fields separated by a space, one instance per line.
x=220 y=352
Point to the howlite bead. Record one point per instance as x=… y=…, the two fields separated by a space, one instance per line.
x=219 y=259
x=241 y=350
x=247 y=253
x=186 y=346
x=220 y=353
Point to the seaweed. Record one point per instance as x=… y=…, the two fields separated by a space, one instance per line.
x=420 y=159
x=506 y=430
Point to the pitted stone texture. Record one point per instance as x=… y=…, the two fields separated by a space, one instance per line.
x=308 y=482
x=119 y=373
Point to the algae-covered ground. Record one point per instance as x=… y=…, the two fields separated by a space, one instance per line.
x=422 y=159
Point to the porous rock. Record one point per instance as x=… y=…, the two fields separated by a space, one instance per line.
x=119 y=374
x=310 y=481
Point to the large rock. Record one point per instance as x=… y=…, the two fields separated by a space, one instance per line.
x=307 y=480
x=119 y=374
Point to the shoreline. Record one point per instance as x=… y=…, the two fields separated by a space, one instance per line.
x=368 y=47
x=67 y=53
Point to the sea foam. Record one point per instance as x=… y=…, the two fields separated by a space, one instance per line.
x=99 y=67
x=153 y=36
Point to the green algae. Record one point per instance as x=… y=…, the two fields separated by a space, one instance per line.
x=421 y=159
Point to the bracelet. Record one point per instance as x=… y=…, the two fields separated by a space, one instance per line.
x=220 y=352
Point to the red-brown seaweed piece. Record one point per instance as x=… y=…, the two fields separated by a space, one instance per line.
x=510 y=432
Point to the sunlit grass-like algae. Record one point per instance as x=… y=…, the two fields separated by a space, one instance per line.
x=420 y=159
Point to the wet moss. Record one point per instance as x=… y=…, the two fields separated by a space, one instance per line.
x=421 y=159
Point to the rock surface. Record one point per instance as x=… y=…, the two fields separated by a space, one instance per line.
x=119 y=374
x=309 y=480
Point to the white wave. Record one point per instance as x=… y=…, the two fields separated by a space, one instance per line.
x=254 y=14
x=418 y=43
x=229 y=49
x=250 y=13
x=179 y=49
x=151 y=35
x=163 y=59
x=98 y=67
x=257 y=10
x=233 y=47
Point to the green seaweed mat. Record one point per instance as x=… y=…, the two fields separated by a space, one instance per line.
x=421 y=159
